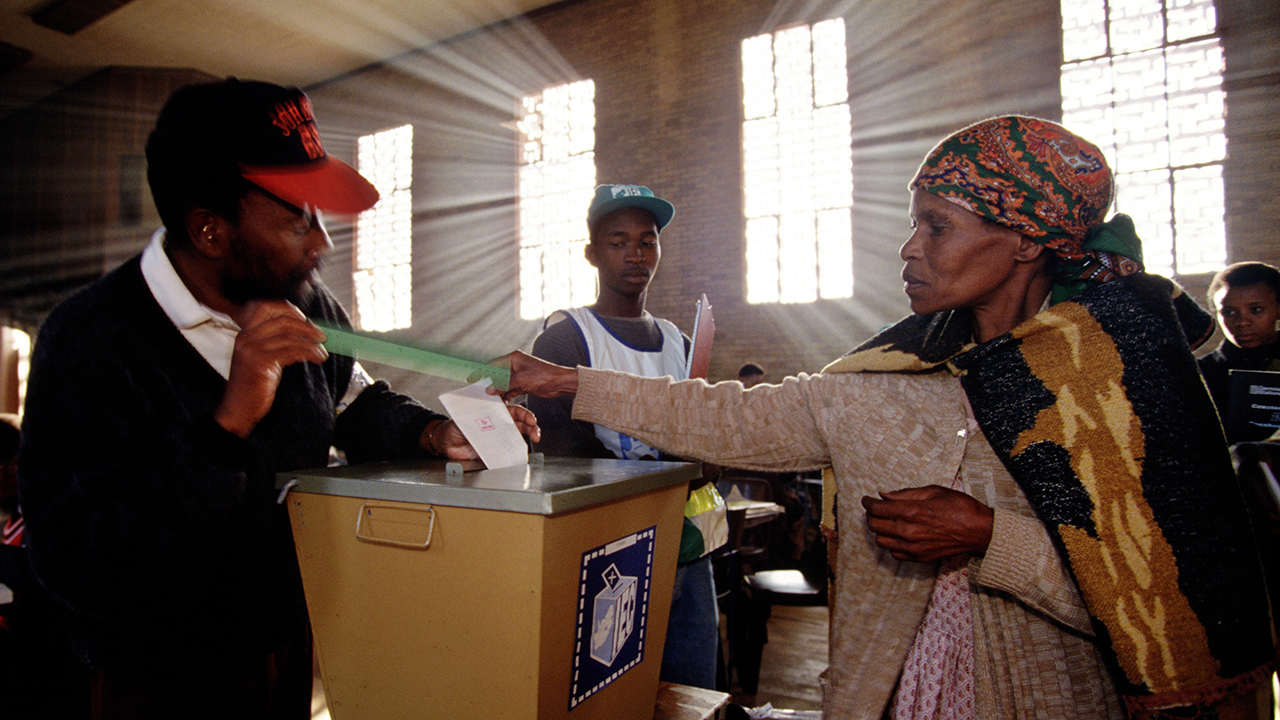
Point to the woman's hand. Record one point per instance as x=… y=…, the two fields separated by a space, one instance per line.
x=526 y=422
x=533 y=376
x=929 y=523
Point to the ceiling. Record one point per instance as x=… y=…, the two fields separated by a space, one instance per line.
x=292 y=42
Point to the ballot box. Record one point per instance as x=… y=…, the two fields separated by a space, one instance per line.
x=439 y=591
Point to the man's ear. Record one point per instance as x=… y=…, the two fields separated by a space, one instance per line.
x=209 y=232
x=589 y=252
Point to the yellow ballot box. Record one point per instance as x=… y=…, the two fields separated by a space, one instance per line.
x=525 y=592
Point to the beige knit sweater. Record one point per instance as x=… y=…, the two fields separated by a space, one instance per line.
x=1034 y=653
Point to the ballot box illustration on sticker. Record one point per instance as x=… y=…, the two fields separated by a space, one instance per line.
x=613 y=610
x=614 y=616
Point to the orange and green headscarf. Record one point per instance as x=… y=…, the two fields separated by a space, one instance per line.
x=1045 y=183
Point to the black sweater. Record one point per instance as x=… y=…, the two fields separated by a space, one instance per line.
x=158 y=529
x=1216 y=368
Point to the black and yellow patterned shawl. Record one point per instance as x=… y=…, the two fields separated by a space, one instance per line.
x=1096 y=407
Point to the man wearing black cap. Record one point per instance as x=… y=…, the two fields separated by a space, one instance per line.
x=164 y=398
x=624 y=222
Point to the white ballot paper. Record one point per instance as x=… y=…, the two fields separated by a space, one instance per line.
x=487 y=425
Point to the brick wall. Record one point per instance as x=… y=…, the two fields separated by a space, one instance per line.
x=668 y=115
x=1251 y=44
x=73 y=199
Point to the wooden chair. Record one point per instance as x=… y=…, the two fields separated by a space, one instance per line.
x=742 y=554
x=760 y=586
x=765 y=589
x=754 y=536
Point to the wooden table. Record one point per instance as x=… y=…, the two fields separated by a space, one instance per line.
x=681 y=702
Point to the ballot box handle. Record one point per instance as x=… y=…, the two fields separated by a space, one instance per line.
x=402 y=520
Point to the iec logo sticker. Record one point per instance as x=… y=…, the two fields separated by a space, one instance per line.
x=613 y=610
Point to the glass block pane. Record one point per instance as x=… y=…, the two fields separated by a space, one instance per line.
x=1199 y=219
x=383 y=245
x=797 y=160
x=835 y=253
x=1141 y=112
x=555 y=264
x=362 y=281
x=582 y=117
x=830 y=81
x=554 y=188
x=798 y=265
x=1084 y=29
x=400 y=281
x=793 y=71
x=833 y=158
x=762 y=260
x=530 y=282
x=582 y=277
x=1087 y=103
x=761 y=167
x=757 y=77
x=1147 y=197
x=795 y=142
x=1156 y=106
x=529 y=123
x=1189 y=19
x=1197 y=104
x=1136 y=25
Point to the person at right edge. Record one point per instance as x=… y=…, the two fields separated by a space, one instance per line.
x=1037 y=513
x=624 y=223
x=1246 y=298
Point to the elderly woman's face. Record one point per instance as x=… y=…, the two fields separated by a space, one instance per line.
x=955 y=259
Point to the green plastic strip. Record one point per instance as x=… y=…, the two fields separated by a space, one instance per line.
x=364 y=347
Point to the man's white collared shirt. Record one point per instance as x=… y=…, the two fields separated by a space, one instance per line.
x=211 y=333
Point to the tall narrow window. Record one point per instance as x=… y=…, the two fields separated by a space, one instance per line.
x=384 y=233
x=1143 y=79
x=797 y=166
x=15 y=365
x=557 y=176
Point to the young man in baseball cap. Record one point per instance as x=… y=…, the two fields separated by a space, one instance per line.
x=616 y=332
x=165 y=397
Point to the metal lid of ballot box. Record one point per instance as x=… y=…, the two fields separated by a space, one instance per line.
x=546 y=486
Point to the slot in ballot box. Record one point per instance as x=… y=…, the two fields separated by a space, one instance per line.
x=526 y=592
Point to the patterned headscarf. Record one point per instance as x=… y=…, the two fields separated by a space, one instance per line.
x=1044 y=182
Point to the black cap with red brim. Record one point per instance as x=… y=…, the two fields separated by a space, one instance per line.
x=268 y=133
x=327 y=184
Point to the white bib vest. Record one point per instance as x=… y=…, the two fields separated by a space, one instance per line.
x=706 y=521
x=605 y=350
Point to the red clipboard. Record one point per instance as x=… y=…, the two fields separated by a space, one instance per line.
x=704 y=334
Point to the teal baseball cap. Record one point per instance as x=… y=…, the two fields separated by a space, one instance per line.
x=609 y=198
